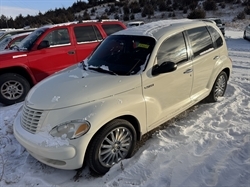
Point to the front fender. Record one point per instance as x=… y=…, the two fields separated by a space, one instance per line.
x=100 y=112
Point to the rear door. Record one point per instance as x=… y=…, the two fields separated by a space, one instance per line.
x=59 y=55
x=86 y=37
x=204 y=59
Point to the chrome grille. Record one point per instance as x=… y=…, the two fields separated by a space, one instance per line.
x=30 y=119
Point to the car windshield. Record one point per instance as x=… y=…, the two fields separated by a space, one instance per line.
x=28 y=42
x=133 y=24
x=218 y=21
x=4 y=43
x=121 y=55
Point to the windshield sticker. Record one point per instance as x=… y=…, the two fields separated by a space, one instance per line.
x=146 y=46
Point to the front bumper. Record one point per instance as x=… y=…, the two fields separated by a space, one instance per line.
x=65 y=156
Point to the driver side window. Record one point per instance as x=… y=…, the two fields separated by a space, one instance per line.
x=173 y=49
x=58 y=37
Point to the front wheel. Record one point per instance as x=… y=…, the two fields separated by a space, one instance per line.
x=110 y=145
x=219 y=87
x=13 y=88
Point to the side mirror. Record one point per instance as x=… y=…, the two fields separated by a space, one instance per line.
x=165 y=67
x=43 y=44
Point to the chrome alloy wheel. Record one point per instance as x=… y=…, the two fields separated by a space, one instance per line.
x=115 y=146
x=220 y=86
x=12 y=89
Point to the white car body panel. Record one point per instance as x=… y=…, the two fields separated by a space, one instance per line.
x=99 y=98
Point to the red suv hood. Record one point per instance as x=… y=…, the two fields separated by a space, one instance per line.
x=6 y=54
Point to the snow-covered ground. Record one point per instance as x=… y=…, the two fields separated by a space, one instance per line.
x=209 y=145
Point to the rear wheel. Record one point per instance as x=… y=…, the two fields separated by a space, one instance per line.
x=13 y=88
x=219 y=87
x=110 y=145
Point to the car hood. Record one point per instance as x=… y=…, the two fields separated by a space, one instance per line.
x=74 y=86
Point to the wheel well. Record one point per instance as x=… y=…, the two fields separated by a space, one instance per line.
x=227 y=71
x=130 y=119
x=18 y=70
x=134 y=122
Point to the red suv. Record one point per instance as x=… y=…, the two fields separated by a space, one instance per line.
x=47 y=50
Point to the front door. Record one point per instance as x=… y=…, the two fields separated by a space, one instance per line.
x=168 y=93
x=59 y=55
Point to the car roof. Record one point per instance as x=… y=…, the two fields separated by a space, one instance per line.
x=213 y=18
x=158 y=28
x=210 y=20
x=133 y=22
x=17 y=30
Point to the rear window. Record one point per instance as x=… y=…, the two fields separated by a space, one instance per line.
x=201 y=41
x=216 y=37
x=110 y=29
x=86 y=34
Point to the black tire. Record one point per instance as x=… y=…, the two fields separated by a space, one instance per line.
x=244 y=35
x=13 y=88
x=219 y=87
x=123 y=146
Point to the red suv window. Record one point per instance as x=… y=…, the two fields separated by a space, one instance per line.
x=110 y=29
x=86 y=34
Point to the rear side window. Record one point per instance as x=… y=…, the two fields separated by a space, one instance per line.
x=216 y=37
x=112 y=28
x=201 y=41
x=173 y=49
x=86 y=34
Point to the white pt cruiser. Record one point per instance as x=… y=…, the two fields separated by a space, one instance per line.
x=135 y=80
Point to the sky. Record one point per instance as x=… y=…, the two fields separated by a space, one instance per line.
x=14 y=8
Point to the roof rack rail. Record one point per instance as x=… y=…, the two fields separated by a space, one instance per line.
x=76 y=22
x=7 y=29
x=99 y=20
x=62 y=24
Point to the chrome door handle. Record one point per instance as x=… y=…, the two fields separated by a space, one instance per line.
x=71 y=52
x=188 y=71
x=216 y=57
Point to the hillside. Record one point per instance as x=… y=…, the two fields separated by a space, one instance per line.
x=228 y=14
x=234 y=12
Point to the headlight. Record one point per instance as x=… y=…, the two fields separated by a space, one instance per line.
x=71 y=129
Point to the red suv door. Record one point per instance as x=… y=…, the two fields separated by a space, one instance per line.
x=59 y=55
x=87 y=37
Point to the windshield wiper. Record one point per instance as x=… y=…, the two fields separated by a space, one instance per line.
x=102 y=70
